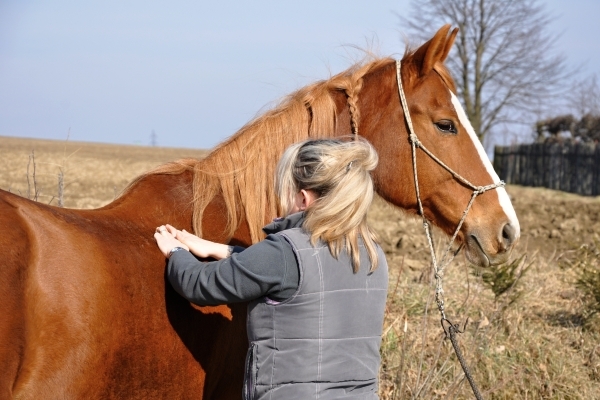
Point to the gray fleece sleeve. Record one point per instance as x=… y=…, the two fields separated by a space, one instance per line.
x=268 y=268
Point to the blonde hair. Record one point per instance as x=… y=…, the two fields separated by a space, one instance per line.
x=338 y=172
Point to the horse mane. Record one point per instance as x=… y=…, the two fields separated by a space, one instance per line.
x=241 y=169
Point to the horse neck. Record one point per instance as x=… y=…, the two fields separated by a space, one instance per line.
x=382 y=124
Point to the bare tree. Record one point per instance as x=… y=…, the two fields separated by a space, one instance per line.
x=502 y=60
x=584 y=96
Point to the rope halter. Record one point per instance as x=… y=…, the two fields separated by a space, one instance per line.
x=477 y=190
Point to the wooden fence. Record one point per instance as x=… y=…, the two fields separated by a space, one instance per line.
x=570 y=167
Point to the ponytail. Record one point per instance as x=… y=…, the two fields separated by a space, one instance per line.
x=338 y=172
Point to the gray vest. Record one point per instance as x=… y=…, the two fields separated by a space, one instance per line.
x=323 y=342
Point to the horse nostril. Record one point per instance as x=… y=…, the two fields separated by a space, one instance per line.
x=508 y=235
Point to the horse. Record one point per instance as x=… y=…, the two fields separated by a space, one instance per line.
x=86 y=309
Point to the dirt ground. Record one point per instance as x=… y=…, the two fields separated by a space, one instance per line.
x=554 y=221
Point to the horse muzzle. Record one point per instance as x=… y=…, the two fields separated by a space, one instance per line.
x=488 y=248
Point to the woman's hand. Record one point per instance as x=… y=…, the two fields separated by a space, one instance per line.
x=166 y=240
x=199 y=247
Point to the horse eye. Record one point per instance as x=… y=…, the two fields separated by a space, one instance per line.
x=446 y=126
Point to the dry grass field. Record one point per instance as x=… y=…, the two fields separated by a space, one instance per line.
x=534 y=341
x=93 y=173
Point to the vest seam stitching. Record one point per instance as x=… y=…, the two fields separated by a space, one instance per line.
x=341 y=290
x=274 y=353
x=321 y=306
x=300 y=269
x=344 y=338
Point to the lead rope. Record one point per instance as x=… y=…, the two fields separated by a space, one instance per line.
x=449 y=328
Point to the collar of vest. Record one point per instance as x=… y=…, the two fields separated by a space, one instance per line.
x=281 y=224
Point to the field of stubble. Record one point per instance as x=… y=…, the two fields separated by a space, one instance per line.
x=532 y=342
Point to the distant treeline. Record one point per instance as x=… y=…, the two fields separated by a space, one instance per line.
x=569 y=166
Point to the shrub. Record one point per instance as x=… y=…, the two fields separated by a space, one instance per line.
x=503 y=279
x=585 y=263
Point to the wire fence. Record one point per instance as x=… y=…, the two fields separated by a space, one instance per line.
x=570 y=167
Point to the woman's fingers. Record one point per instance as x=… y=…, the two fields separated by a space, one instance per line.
x=165 y=238
x=166 y=242
x=171 y=229
x=167 y=229
x=185 y=236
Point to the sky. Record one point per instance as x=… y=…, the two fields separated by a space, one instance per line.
x=194 y=72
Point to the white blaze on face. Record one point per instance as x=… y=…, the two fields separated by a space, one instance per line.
x=502 y=195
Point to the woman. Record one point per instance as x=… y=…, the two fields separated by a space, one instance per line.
x=317 y=283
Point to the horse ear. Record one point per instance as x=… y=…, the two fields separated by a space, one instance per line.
x=435 y=50
x=449 y=43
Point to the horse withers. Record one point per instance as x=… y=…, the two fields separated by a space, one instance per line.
x=86 y=310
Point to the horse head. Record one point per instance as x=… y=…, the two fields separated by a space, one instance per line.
x=491 y=228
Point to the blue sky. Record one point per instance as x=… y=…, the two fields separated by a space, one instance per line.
x=196 y=71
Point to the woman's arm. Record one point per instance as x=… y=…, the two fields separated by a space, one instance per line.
x=266 y=268
x=201 y=247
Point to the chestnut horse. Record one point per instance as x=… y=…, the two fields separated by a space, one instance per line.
x=86 y=310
